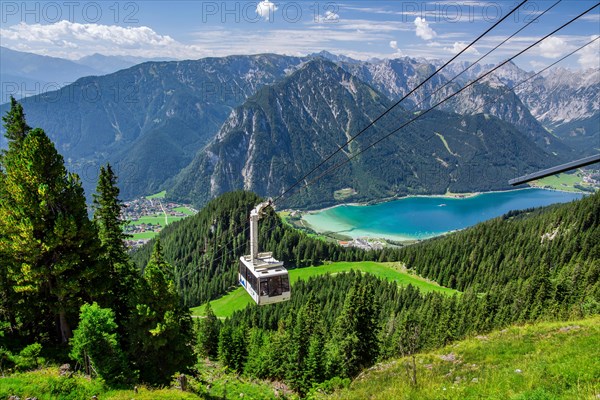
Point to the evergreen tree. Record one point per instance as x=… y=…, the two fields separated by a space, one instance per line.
x=16 y=130
x=47 y=237
x=208 y=334
x=95 y=345
x=160 y=331
x=232 y=347
x=257 y=365
x=121 y=274
x=354 y=344
x=305 y=336
x=15 y=124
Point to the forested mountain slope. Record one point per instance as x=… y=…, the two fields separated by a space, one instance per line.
x=148 y=120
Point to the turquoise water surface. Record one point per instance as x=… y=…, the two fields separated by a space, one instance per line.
x=424 y=217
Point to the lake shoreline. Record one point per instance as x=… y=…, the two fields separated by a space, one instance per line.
x=426 y=231
x=459 y=196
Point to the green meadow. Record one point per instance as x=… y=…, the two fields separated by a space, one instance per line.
x=564 y=182
x=238 y=298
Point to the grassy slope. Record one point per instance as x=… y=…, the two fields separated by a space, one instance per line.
x=184 y=210
x=238 y=299
x=556 y=361
x=143 y=235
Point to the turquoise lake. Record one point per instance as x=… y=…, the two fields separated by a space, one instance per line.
x=424 y=217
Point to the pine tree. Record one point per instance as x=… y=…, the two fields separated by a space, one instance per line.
x=15 y=124
x=232 y=347
x=16 y=130
x=257 y=364
x=306 y=328
x=121 y=274
x=95 y=344
x=208 y=334
x=46 y=234
x=160 y=331
x=354 y=344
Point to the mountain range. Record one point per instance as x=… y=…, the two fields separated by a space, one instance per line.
x=277 y=135
x=148 y=120
x=201 y=127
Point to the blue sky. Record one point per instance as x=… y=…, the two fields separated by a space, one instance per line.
x=359 y=29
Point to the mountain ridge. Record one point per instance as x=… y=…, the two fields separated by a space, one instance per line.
x=150 y=120
x=278 y=134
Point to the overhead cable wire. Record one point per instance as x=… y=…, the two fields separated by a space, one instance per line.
x=336 y=166
x=488 y=53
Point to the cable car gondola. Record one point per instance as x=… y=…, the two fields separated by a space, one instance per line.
x=265 y=279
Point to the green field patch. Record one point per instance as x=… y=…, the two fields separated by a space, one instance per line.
x=443 y=139
x=184 y=210
x=556 y=360
x=156 y=220
x=238 y=299
x=143 y=235
x=160 y=195
x=564 y=182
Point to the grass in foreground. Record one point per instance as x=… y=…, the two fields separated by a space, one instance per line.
x=46 y=384
x=533 y=362
x=239 y=299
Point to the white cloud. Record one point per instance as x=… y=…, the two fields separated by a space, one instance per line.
x=423 y=30
x=266 y=9
x=331 y=16
x=394 y=45
x=589 y=56
x=457 y=47
x=552 y=47
x=74 y=40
